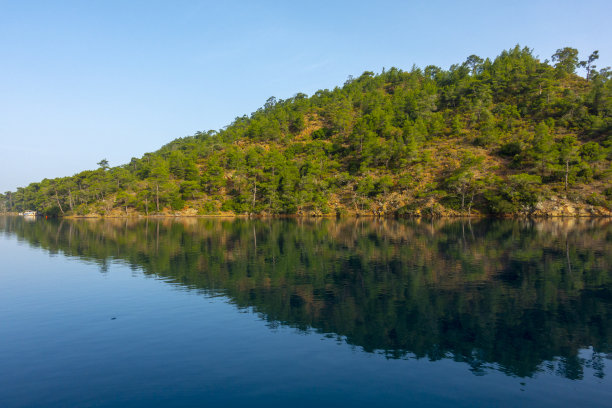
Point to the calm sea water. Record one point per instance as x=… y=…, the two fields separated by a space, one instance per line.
x=209 y=312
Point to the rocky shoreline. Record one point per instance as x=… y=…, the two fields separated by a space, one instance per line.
x=551 y=208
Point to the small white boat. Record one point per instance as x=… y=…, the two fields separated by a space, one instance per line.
x=29 y=213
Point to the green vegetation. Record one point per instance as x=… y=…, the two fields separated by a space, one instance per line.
x=514 y=135
x=514 y=295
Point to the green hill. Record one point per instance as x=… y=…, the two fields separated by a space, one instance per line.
x=508 y=136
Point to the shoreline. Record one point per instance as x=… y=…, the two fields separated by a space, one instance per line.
x=326 y=216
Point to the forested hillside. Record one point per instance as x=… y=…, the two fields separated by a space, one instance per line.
x=513 y=135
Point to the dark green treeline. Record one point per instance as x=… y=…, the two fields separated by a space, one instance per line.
x=497 y=136
x=517 y=296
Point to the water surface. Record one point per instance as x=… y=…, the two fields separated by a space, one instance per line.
x=209 y=312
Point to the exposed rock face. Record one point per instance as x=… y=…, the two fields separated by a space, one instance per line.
x=562 y=207
x=427 y=208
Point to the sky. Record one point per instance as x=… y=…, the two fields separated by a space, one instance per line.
x=81 y=81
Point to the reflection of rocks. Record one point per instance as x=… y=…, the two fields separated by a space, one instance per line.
x=514 y=293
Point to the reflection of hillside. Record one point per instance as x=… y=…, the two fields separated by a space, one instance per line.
x=512 y=293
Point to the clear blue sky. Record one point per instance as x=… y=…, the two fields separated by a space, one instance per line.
x=85 y=80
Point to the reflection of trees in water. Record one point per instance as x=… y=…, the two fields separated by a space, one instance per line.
x=505 y=293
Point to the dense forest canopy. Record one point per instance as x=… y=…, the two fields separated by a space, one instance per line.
x=504 y=136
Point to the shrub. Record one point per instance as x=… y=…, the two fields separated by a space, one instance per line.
x=597 y=200
x=511 y=149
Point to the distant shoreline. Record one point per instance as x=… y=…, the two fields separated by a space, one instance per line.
x=325 y=216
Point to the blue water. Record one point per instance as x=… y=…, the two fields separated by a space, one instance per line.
x=82 y=332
